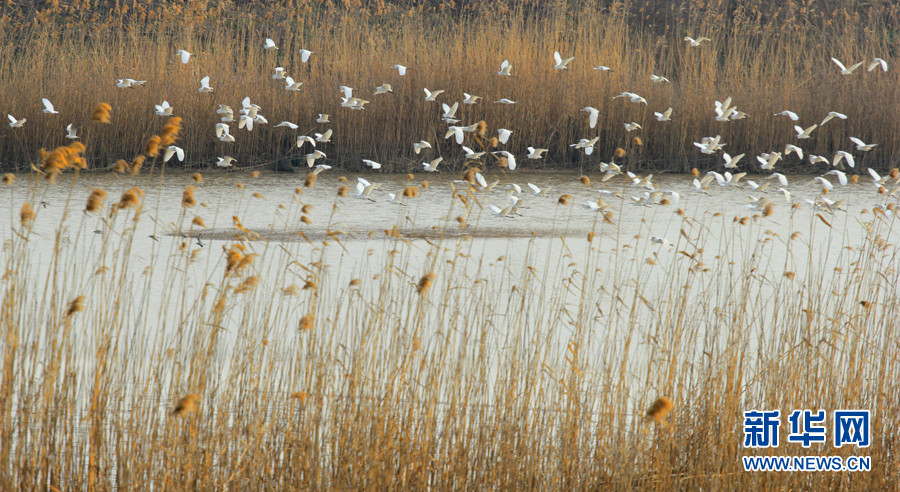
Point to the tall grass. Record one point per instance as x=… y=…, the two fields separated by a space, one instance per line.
x=445 y=363
x=769 y=58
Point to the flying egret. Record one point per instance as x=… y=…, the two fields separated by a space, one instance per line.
x=323 y=118
x=15 y=123
x=767 y=160
x=695 y=42
x=270 y=45
x=790 y=114
x=129 y=83
x=839 y=155
x=664 y=116
x=302 y=139
x=71 y=131
x=505 y=68
x=226 y=161
x=471 y=154
x=731 y=162
x=603 y=68
x=400 y=69
x=222 y=129
x=632 y=97
x=593 y=114
x=383 y=89
x=431 y=167
x=504 y=135
x=288 y=124
x=845 y=70
x=185 y=56
x=455 y=130
x=831 y=115
x=510 y=159
x=290 y=85
x=709 y=145
x=173 y=150
x=801 y=133
x=658 y=79
x=782 y=179
x=48 y=106
x=372 y=164
x=313 y=157
x=537 y=191
x=630 y=127
x=560 y=63
x=449 y=111
x=364 y=189
x=862 y=146
x=280 y=74
x=817 y=159
x=842 y=176
x=204 y=85
x=661 y=240
x=534 y=153
x=878 y=61
x=470 y=99
x=504 y=101
x=304 y=55
x=421 y=144
x=163 y=109
x=432 y=96
x=793 y=148
x=324 y=137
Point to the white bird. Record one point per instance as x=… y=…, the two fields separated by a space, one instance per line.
x=632 y=97
x=400 y=69
x=629 y=127
x=767 y=160
x=348 y=91
x=288 y=124
x=586 y=145
x=709 y=145
x=727 y=179
x=537 y=191
x=129 y=83
x=603 y=68
x=560 y=63
x=455 y=130
x=817 y=159
x=657 y=78
x=421 y=144
x=661 y=240
x=71 y=132
x=323 y=137
x=323 y=118
x=372 y=164
x=431 y=96
x=695 y=42
x=664 y=116
x=801 y=133
x=790 y=114
x=593 y=114
x=793 y=148
x=222 y=129
x=845 y=70
x=290 y=85
x=825 y=183
x=450 y=112
x=782 y=179
x=878 y=179
x=510 y=159
x=173 y=150
x=845 y=156
x=15 y=123
x=731 y=162
x=313 y=157
x=226 y=161
x=302 y=139
x=304 y=55
x=204 y=85
x=185 y=56
x=504 y=212
x=505 y=101
x=431 y=167
x=504 y=135
x=505 y=68
x=738 y=115
x=364 y=189
x=481 y=181
x=831 y=115
x=383 y=89
x=471 y=154
x=860 y=145
x=280 y=74
x=786 y=193
x=48 y=106
x=534 y=153
x=724 y=109
x=245 y=121
x=878 y=61
x=270 y=45
x=470 y=99
x=163 y=109
x=842 y=176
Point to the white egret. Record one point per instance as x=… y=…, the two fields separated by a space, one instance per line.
x=323 y=118
x=534 y=153
x=603 y=68
x=504 y=135
x=664 y=116
x=471 y=154
x=630 y=127
x=270 y=45
x=288 y=124
x=860 y=145
x=804 y=133
x=470 y=99
x=431 y=167
x=48 y=106
x=793 y=148
x=593 y=114
x=204 y=85
x=324 y=137
x=163 y=109
x=304 y=55
x=383 y=89
x=790 y=114
x=280 y=74
x=302 y=139
x=432 y=96
x=372 y=164
x=504 y=101
x=560 y=62
x=731 y=162
x=842 y=176
x=400 y=69
x=845 y=70
x=510 y=159
x=71 y=131
x=185 y=56
x=831 y=115
x=226 y=161
x=839 y=155
x=505 y=68
x=15 y=123
x=878 y=61
x=313 y=157
x=695 y=42
x=173 y=150
x=658 y=79
x=421 y=144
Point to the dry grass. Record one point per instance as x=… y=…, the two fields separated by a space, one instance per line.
x=767 y=58
x=551 y=368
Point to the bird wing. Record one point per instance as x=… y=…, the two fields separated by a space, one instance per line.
x=594 y=115
x=557 y=58
x=185 y=56
x=47 y=104
x=839 y=64
x=855 y=66
x=858 y=142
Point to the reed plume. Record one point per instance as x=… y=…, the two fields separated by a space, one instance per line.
x=101 y=113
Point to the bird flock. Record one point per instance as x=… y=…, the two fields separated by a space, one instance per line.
x=311 y=146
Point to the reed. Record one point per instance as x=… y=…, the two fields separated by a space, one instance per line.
x=767 y=57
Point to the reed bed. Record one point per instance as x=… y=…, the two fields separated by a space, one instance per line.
x=767 y=57
x=553 y=363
